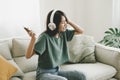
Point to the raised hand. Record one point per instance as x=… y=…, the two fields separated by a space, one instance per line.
x=30 y=32
x=30 y=51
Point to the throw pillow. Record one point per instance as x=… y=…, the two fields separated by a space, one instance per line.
x=20 y=46
x=5 y=50
x=6 y=69
x=27 y=65
x=19 y=71
x=81 y=49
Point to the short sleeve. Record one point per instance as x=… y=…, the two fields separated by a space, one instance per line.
x=40 y=45
x=70 y=34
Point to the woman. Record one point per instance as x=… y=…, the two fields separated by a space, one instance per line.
x=51 y=47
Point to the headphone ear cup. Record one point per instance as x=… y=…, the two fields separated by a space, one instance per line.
x=52 y=26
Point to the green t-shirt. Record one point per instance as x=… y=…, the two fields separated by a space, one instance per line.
x=53 y=51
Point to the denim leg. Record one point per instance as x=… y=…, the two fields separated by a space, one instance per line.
x=72 y=75
x=49 y=76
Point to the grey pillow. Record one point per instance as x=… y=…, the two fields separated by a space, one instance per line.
x=19 y=49
x=81 y=49
x=5 y=50
x=20 y=46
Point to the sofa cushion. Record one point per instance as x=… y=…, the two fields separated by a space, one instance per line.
x=92 y=71
x=19 y=46
x=5 y=50
x=19 y=49
x=108 y=55
x=6 y=69
x=27 y=65
x=19 y=71
x=15 y=78
x=112 y=79
x=81 y=49
x=30 y=76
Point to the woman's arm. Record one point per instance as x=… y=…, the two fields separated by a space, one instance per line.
x=78 y=29
x=30 y=50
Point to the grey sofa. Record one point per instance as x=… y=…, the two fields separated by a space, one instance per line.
x=106 y=67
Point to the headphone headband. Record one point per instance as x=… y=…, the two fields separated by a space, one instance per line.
x=52 y=25
x=52 y=16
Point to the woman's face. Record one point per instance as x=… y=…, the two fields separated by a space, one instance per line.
x=63 y=24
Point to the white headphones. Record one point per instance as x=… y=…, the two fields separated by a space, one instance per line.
x=52 y=25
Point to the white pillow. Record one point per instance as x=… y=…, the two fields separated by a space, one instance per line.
x=19 y=72
x=19 y=46
x=27 y=65
x=5 y=50
x=81 y=49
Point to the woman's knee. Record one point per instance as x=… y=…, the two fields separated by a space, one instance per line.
x=72 y=75
x=82 y=76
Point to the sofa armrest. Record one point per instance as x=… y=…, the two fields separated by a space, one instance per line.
x=108 y=55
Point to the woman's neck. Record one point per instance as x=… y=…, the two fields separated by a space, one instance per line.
x=57 y=35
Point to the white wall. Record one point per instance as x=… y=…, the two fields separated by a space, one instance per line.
x=14 y=14
x=95 y=17
x=116 y=13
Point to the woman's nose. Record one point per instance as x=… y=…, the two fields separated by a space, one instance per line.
x=65 y=23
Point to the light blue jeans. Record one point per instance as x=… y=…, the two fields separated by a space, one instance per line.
x=55 y=74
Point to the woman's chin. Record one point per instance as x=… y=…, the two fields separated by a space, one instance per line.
x=64 y=30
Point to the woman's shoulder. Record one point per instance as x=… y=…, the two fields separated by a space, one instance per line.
x=43 y=35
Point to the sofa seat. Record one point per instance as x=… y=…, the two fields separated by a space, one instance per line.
x=15 y=78
x=113 y=79
x=93 y=71
x=30 y=76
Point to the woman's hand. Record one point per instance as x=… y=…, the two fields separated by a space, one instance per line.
x=77 y=28
x=30 y=32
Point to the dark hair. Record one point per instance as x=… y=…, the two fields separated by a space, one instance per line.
x=56 y=19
